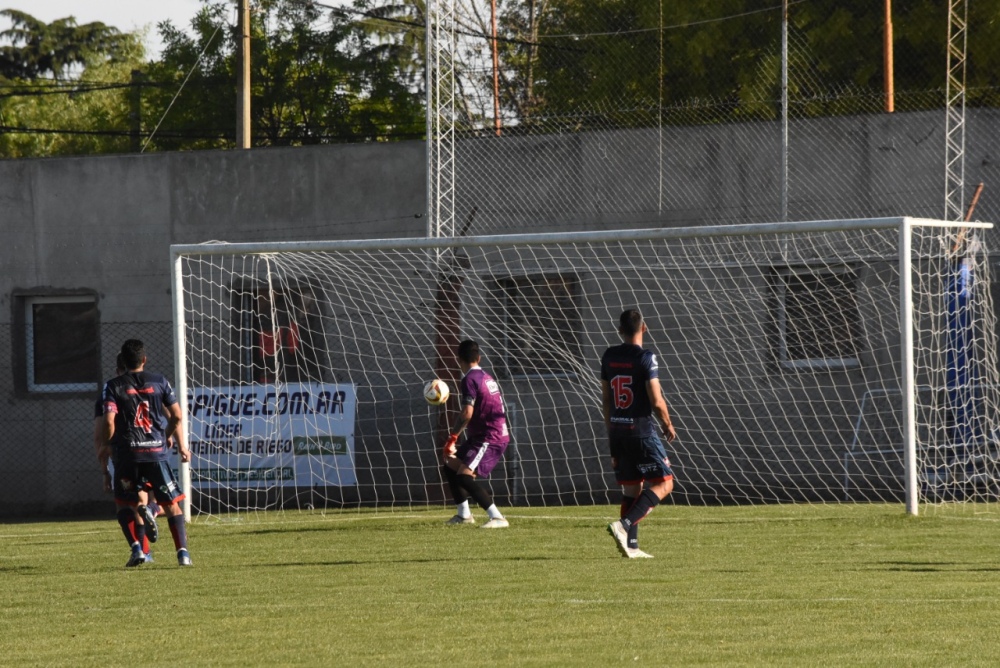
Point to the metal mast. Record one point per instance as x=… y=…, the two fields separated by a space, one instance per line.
x=954 y=167
x=440 y=118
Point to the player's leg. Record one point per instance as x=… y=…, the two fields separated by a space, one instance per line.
x=626 y=455
x=147 y=517
x=655 y=468
x=463 y=515
x=125 y=486
x=470 y=459
x=169 y=495
x=630 y=492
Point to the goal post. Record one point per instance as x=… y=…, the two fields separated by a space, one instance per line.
x=818 y=361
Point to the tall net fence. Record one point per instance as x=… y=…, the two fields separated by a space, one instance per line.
x=570 y=115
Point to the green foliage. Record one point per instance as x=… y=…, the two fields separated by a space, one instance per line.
x=802 y=585
x=37 y=49
x=606 y=61
x=355 y=73
x=318 y=76
x=64 y=88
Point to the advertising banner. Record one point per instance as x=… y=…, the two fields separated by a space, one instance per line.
x=295 y=434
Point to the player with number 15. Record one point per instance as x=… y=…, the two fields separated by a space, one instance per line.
x=631 y=397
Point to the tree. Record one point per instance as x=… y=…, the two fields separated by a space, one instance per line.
x=37 y=49
x=601 y=62
x=64 y=89
x=319 y=75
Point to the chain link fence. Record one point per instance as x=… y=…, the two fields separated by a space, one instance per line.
x=569 y=115
x=53 y=469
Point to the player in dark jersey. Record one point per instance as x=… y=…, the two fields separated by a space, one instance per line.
x=484 y=421
x=141 y=414
x=125 y=500
x=631 y=397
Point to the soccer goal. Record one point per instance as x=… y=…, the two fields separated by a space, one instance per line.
x=827 y=361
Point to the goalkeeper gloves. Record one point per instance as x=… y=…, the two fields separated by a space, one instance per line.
x=450 y=446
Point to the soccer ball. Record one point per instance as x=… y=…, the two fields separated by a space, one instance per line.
x=436 y=392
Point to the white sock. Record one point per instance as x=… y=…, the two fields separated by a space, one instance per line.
x=463 y=509
x=494 y=513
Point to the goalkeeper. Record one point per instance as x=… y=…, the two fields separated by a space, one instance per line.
x=484 y=421
x=631 y=397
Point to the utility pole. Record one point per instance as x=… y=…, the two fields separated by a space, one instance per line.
x=135 y=113
x=784 y=111
x=496 y=69
x=243 y=84
x=890 y=93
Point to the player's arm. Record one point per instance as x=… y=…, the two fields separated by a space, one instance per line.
x=606 y=404
x=461 y=422
x=103 y=451
x=463 y=419
x=175 y=422
x=109 y=426
x=660 y=408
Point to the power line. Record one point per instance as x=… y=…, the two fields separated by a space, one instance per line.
x=178 y=93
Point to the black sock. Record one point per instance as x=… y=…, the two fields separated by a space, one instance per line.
x=475 y=490
x=457 y=492
x=140 y=533
x=642 y=507
x=633 y=531
x=178 y=530
x=126 y=519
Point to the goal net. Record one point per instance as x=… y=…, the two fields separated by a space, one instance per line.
x=803 y=362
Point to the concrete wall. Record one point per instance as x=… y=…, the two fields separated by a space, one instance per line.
x=105 y=223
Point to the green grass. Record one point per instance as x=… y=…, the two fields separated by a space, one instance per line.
x=778 y=585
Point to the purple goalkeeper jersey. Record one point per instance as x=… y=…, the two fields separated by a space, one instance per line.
x=489 y=420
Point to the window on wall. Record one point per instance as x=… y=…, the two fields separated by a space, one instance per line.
x=818 y=321
x=541 y=324
x=61 y=343
x=281 y=334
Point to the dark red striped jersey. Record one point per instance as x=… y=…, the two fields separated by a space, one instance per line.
x=138 y=400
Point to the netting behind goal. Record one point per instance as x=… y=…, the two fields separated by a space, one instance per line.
x=779 y=350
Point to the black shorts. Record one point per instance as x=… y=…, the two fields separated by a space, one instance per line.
x=156 y=477
x=638 y=459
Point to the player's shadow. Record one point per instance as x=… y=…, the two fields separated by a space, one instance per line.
x=16 y=569
x=932 y=567
x=427 y=560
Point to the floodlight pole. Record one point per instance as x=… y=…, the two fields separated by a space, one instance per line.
x=908 y=379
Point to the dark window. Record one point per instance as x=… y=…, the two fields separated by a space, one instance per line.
x=541 y=324
x=62 y=352
x=817 y=317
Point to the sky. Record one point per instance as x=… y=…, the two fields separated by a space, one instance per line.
x=126 y=15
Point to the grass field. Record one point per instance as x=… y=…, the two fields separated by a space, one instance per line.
x=777 y=585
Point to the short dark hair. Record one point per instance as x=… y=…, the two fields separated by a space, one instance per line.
x=120 y=364
x=630 y=322
x=468 y=351
x=133 y=351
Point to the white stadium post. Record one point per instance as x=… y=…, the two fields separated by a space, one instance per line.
x=907 y=375
x=180 y=371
